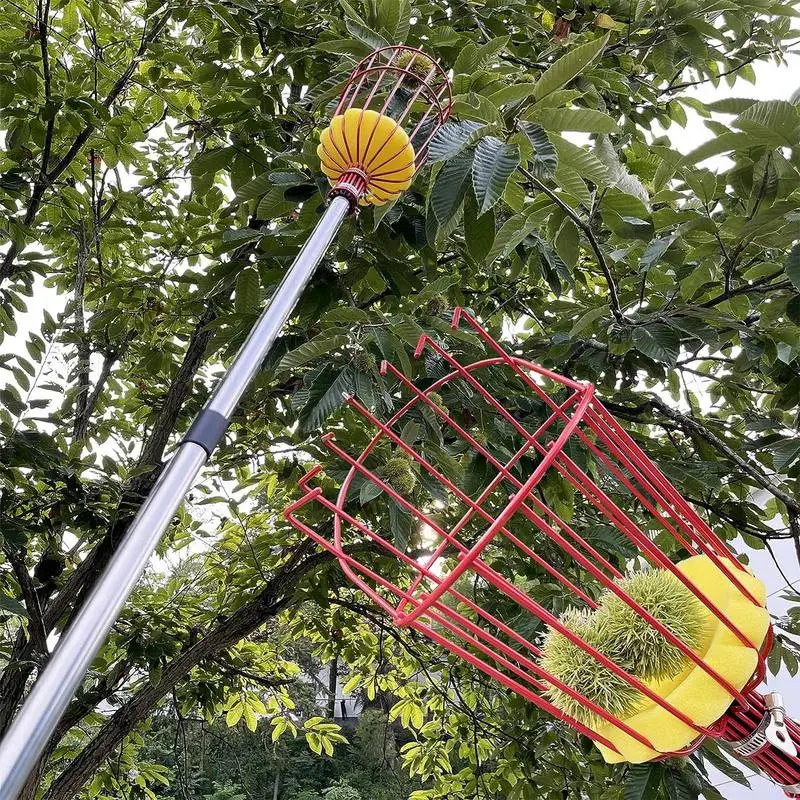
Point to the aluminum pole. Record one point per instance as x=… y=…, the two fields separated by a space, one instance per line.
x=76 y=649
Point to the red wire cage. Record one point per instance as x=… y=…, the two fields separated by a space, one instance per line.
x=556 y=441
x=409 y=88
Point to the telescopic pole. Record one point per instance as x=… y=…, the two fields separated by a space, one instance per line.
x=369 y=159
x=37 y=719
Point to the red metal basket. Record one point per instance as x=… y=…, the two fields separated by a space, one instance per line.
x=564 y=441
x=410 y=92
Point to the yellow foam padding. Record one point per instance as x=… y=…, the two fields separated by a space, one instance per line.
x=374 y=143
x=694 y=692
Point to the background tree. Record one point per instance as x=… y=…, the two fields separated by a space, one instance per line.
x=157 y=176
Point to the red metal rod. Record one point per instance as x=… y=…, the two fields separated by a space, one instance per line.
x=473 y=505
x=471 y=559
x=504 y=469
x=347 y=561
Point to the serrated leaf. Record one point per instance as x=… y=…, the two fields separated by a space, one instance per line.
x=730 y=105
x=325 y=395
x=479 y=231
x=495 y=162
x=575 y=119
x=512 y=94
x=477 y=108
x=248 y=286
x=771 y=120
x=658 y=341
x=452 y=138
x=567 y=242
x=655 y=250
x=637 y=780
x=366 y=35
x=568 y=67
x=545 y=158
x=319 y=346
x=234 y=714
x=511 y=233
x=250 y=718
x=392 y=18
x=785 y=453
x=572 y=183
x=369 y=491
x=710 y=752
x=450 y=187
x=274 y=204
x=586 y=164
x=254 y=188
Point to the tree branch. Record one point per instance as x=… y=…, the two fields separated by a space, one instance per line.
x=46 y=179
x=275 y=597
x=613 y=293
x=692 y=426
x=84 y=352
x=36 y=627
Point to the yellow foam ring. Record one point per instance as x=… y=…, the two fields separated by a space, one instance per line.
x=694 y=692
x=374 y=143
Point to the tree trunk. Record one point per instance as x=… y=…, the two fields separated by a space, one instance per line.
x=333 y=677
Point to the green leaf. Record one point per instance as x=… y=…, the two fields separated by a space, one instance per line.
x=567 y=242
x=785 y=453
x=639 y=779
x=730 y=105
x=771 y=121
x=512 y=94
x=568 y=67
x=319 y=346
x=248 y=297
x=476 y=107
x=326 y=394
x=511 y=233
x=658 y=341
x=575 y=119
x=572 y=183
x=587 y=319
x=234 y=714
x=545 y=158
x=393 y=18
x=250 y=718
x=479 y=231
x=711 y=753
x=366 y=35
x=254 y=188
x=12 y=606
x=211 y=161
x=495 y=162
x=718 y=145
x=655 y=250
x=452 y=138
x=450 y=186
x=586 y=164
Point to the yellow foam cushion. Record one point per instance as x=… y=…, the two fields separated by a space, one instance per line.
x=694 y=692
x=373 y=143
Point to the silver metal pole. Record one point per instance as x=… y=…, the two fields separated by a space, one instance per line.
x=78 y=646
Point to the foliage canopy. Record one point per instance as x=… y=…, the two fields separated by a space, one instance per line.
x=158 y=173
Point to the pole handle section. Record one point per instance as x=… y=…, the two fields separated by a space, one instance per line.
x=30 y=732
x=766 y=737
